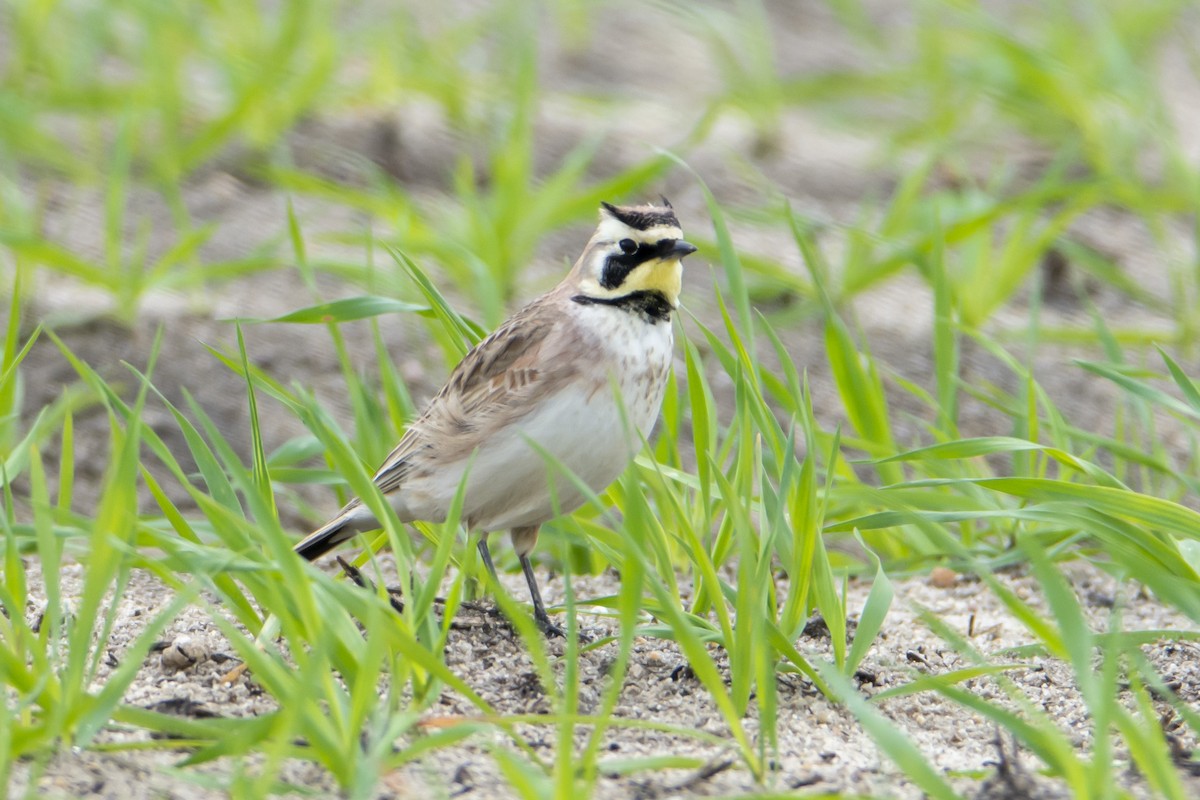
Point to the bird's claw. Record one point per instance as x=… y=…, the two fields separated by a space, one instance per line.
x=395 y=596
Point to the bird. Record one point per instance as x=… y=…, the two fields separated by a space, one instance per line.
x=577 y=374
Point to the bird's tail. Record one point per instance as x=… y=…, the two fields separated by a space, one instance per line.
x=328 y=536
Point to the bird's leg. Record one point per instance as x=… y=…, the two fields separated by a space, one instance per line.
x=539 y=609
x=395 y=594
x=523 y=540
x=486 y=555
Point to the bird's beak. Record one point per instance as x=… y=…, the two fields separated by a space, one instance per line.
x=681 y=249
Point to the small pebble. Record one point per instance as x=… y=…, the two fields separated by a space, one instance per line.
x=942 y=577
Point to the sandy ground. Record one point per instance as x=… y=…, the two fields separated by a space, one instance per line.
x=825 y=172
x=821 y=746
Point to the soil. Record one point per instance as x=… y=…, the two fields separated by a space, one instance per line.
x=822 y=748
x=827 y=173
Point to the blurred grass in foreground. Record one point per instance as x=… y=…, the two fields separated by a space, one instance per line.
x=756 y=505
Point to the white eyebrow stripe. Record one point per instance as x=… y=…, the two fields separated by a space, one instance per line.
x=615 y=230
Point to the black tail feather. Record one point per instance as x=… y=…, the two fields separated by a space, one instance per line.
x=328 y=536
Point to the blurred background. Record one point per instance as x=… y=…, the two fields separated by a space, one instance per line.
x=966 y=227
x=192 y=163
x=148 y=149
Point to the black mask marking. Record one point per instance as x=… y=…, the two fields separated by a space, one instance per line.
x=618 y=265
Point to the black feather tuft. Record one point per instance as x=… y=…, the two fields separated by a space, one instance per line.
x=642 y=218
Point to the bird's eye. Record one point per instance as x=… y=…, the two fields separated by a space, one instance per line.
x=628 y=246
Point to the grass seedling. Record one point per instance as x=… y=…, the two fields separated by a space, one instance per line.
x=749 y=513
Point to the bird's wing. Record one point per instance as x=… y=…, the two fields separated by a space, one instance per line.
x=496 y=383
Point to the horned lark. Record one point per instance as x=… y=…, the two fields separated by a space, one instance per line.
x=578 y=373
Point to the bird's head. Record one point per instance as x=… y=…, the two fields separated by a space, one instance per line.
x=634 y=249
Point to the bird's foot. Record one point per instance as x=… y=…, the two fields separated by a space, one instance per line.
x=395 y=593
x=548 y=628
x=484 y=609
x=552 y=630
x=544 y=624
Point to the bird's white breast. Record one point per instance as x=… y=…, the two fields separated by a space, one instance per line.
x=592 y=427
